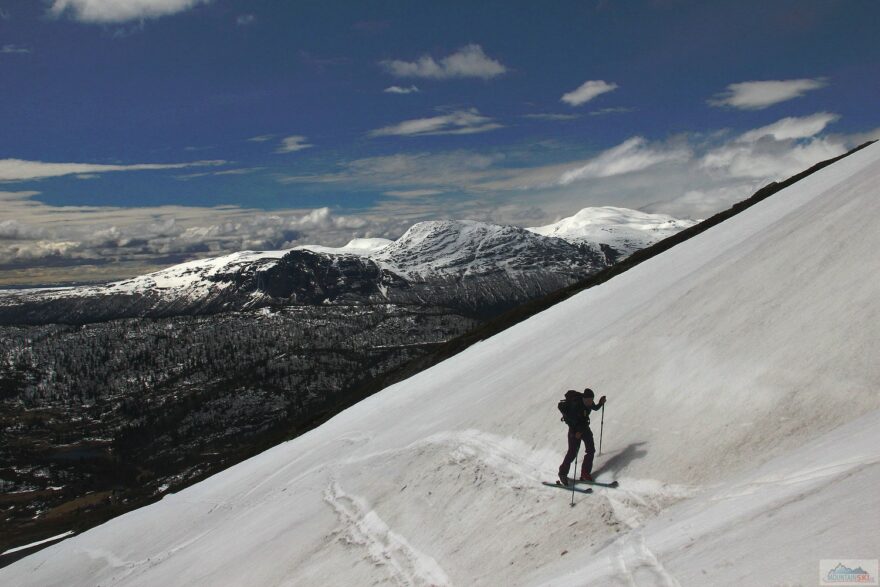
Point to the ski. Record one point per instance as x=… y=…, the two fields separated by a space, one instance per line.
x=612 y=485
x=559 y=485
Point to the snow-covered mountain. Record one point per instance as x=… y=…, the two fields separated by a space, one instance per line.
x=474 y=266
x=621 y=229
x=743 y=422
x=466 y=248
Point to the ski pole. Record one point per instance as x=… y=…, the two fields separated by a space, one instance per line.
x=571 y=481
x=601 y=428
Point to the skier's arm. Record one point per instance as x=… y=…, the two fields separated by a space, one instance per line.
x=599 y=404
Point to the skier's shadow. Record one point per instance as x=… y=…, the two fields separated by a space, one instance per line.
x=616 y=463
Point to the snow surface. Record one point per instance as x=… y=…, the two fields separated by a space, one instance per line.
x=743 y=422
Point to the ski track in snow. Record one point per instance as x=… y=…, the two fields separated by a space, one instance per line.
x=504 y=454
x=639 y=500
x=835 y=470
x=362 y=526
x=517 y=465
x=131 y=567
x=631 y=556
x=644 y=567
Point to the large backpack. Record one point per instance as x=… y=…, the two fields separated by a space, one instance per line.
x=565 y=405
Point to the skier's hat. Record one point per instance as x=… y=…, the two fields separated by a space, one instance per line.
x=589 y=393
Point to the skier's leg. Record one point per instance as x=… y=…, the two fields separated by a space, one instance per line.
x=589 y=452
x=573 y=445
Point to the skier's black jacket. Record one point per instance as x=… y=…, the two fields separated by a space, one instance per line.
x=575 y=413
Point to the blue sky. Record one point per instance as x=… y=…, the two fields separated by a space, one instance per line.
x=142 y=132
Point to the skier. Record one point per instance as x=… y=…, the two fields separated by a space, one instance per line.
x=576 y=413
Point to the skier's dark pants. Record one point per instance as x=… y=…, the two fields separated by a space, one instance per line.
x=573 y=445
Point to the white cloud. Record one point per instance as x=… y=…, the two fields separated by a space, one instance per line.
x=401 y=90
x=587 y=91
x=261 y=138
x=469 y=61
x=857 y=139
x=14 y=50
x=770 y=160
x=634 y=154
x=324 y=219
x=116 y=11
x=757 y=95
x=706 y=201
x=20 y=170
x=413 y=193
x=551 y=116
x=460 y=122
x=778 y=150
x=239 y=171
x=690 y=175
x=15 y=230
x=447 y=171
x=616 y=110
x=236 y=171
x=412 y=166
x=38 y=241
x=17 y=196
x=792 y=127
x=292 y=144
x=245 y=19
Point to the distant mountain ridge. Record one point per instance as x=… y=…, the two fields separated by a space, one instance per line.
x=472 y=266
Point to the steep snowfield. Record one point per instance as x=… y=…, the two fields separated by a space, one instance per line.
x=743 y=422
x=623 y=229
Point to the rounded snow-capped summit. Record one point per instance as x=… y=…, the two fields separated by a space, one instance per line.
x=358 y=246
x=623 y=229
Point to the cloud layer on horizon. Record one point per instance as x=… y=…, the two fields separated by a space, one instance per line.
x=685 y=176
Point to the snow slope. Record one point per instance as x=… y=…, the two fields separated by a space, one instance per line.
x=743 y=421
